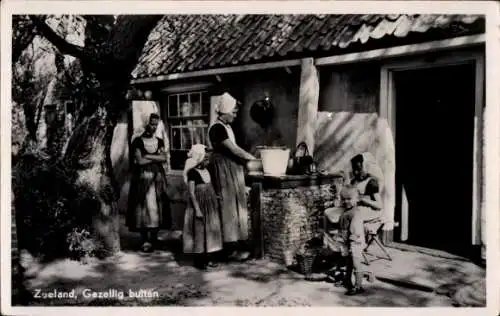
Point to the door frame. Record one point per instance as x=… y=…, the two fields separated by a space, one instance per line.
x=387 y=111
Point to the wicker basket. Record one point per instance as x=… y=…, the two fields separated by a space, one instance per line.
x=306 y=261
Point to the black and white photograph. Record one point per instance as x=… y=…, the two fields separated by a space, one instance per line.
x=249 y=159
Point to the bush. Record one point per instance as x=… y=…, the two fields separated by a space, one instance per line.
x=81 y=246
x=51 y=209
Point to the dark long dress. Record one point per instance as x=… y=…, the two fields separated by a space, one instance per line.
x=229 y=183
x=195 y=230
x=148 y=203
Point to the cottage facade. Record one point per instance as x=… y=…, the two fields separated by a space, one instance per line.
x=407 y=88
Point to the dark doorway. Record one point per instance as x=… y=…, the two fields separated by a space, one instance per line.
x=434 y=154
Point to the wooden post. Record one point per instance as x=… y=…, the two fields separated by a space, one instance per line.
x=257 y=236
x=308 y=103
x=487 y=131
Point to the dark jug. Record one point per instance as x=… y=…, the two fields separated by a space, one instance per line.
x=303 y=162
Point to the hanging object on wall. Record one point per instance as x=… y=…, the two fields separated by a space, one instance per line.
x=262 y=112
x=148 y=95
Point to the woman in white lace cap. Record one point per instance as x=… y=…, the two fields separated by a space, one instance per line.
x=227 y=169
x=202 y=234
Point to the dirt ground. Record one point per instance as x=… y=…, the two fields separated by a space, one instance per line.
x=253 y=283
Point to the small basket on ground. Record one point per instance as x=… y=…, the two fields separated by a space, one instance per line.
x=306 y=258
x=305 y=262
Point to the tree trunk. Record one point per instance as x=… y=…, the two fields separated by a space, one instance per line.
x=87 y=153
x=107 y=61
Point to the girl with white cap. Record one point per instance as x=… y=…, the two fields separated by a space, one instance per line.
x=227 y=169
x=202 y=228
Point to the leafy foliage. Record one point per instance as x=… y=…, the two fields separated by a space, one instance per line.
x=51 y=209
x=80 y=243
x=40 y=75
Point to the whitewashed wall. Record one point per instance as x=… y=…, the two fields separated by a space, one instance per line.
x=340 y=136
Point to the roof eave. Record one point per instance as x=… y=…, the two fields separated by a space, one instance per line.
x=396 y=51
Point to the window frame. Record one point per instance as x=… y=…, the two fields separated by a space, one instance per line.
x=178 y=90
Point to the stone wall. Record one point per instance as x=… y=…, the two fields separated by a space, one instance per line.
x=290 y=217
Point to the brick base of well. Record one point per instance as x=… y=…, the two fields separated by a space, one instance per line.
x=284 y=216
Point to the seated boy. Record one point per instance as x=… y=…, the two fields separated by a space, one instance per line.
x=353 y=234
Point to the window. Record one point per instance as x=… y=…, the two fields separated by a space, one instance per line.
x=188 y=118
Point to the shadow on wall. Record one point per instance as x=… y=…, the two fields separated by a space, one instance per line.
x=342 y=135
x=348 y=123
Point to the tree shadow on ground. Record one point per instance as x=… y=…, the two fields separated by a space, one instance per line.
x=418 y=281
x=173 y=278
x=261 y=271
x=252 y=283
x=464 y=282
x=380 y=295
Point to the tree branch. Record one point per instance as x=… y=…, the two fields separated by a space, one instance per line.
x=62 y=45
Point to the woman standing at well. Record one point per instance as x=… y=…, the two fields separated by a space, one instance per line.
x=228 y=178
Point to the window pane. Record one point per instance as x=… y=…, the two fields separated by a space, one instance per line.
x=194 y=122
x=184 y=106
x=186 y=138
x=175 y=136
x=185 y=125
x=172 y=105
x=183 y=98
x=198 y=137
x=186 y=109
x=196 y=103
x=205 y=103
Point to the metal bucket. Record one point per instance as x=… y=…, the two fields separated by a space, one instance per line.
x=274 y=160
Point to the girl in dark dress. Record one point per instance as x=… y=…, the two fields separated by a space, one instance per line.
x=227 y=170
x=202 y=234
x=148 y=186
